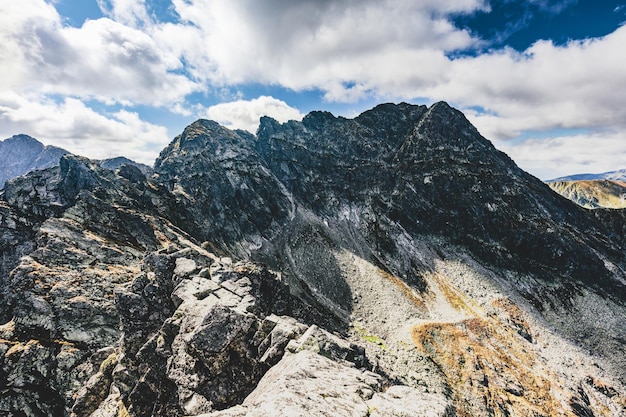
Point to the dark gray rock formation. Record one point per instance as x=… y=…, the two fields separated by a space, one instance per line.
x=391 y=264
x=73 y=233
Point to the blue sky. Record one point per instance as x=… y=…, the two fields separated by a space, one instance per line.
x=545 y=80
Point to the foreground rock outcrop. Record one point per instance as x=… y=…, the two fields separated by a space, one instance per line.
x=392 y=264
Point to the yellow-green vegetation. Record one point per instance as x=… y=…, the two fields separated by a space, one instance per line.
x=107 y=365
x=405 y=288
x=457 y=300
x=122 y=411
x=368 y=336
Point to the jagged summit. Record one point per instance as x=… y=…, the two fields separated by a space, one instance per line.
x=427 y=169
x=391 y=264
x=25 y=140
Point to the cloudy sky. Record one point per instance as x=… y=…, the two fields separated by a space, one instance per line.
x=545 y=80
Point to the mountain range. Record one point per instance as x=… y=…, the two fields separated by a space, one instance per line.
x=391 y=264
x=21 y=154
x=619 y=175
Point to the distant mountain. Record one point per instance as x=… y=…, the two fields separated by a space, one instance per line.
x=21 y=154
x=619 y=175
x=593 y=193
x=115 y=163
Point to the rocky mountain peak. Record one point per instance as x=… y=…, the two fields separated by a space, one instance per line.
x=25 y=141
x=119 y=161
x=79 y=173
x=391 y=264
x=318 y=119
x=21 y=154
x=201 y=136
x=443 y=129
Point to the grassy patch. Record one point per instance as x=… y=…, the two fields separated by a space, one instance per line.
x=369 y=337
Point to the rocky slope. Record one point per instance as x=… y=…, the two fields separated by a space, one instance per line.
x=392 y=264
x=593 y=193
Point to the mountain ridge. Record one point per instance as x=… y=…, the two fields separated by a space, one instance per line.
x=618 y=175
x=21 y=154
x=335 y=266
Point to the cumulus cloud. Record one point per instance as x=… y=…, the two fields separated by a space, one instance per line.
x=578 y=85
x=549 y=158
x=78 y=128
x=303 y=45
x=104 y=59
x=402 y=50
x=19 y=23
x=129 y=12
x=245 y=114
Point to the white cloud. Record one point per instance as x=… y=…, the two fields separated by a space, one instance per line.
x=350 y=50
x=304 y=45
x=549 y=158
x=129 y=12
x=245 y=114
x=81 y=130
x=398 y=51
x=19 y=42
x=104 y=59
x=581 y=84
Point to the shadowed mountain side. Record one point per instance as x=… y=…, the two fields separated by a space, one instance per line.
x=397 y=187
x=440 y=178
x=427 y=171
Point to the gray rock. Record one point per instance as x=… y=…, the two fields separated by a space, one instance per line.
x=400 y=400
x=307 y=383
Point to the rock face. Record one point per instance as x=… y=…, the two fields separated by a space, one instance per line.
x=392 y=264
x=74 y=233
x=593 y=193
x=21 y=154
